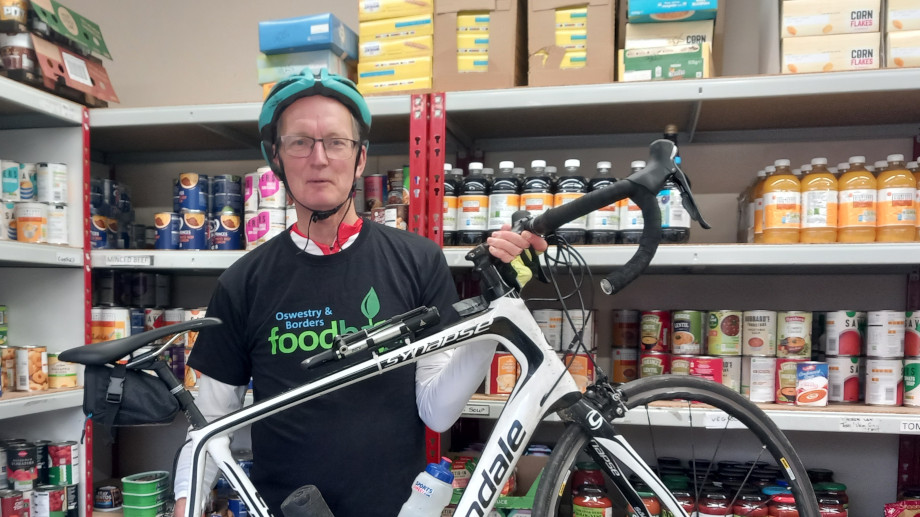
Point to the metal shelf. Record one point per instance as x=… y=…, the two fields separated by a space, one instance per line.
x=14 y=404
x=22 y=106
x=39 y=255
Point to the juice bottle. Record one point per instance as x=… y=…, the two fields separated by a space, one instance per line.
x=819 y=204
x=856 y=213
x=897 y=213
x=604 y=223
x=473 y=208
x=631 y=220
x=758 y=202
x=746 y=211
x=453 y=180
x=571 y=186
x=536 y=194
x=504 y=200
x=782 y=205
x=914 y=168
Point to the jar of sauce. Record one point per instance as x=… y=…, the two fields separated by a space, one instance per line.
x=838 y=490
x=750 y=504
x=586 y=474
x=652 y=504
x=783 y=505
x=713 y=502
x=831 y=506
x=591 y=502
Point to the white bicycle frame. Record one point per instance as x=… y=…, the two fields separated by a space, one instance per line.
x=544 y=386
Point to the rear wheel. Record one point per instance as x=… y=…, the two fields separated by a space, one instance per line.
x=766 y=450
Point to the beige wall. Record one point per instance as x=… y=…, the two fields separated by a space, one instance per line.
x=172 y=52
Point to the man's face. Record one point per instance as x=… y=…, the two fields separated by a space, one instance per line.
x=317 y=181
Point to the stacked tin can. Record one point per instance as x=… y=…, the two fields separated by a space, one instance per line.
x=40 y=474
x=33 y=202
x=225 y=207
x=112 y=224
x=561 y=334
x=264 y=205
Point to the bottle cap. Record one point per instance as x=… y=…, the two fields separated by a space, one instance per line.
x=819 y=161
x=572 y=162
x=637 y=164
x=475 y=165
x=911 y=165
x=843 y=165
x=518 y=171
x=441 y=471
x=895 y=158
x=537 y=163
x=488 y=171
x=857 y=159
x=806 y=167
x=762 y=173
x=551 y=169
x=881 y=164
x=832 y=170
x=603 y=165
x=769 y=169
x=507 y=164
x=448 y=167
x=782 y=162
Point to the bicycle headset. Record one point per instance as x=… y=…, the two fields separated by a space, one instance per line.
x=306 y=84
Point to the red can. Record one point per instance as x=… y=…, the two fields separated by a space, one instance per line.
x=13 y=504
x=655 y=331
x=707 y=367
x=22 y=465
x=653 y=363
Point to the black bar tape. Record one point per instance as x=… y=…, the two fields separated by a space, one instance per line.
x=648 y=243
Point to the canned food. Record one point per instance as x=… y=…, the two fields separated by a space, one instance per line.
x=193 y=230
x=724 y=334
x=263 y=224
x=271 y=189
x=758 y=378
x=51 y=181
x=31 y=222
x=793 y=329
x=731 y=372
x=884 y=380
x=786 y=379
x=290 y=215
x=680 y=364
x=375 y=191
x=397 y=187
x=885 y=335
x=396 y=216
x=7 y=221
x=61 y=374
x=912 y=335
x=687 y=335
x=60 y=457
x=189 y=315
x=846 y=332
x=167 y=230
x=73 y=500
x=378 y=215
x=912 y=381
x=845 y=378
x=10 y=183
x=21 y=465
x=107 y=498
x=758 y=331
x=581 y=367
x=41 y=458
x=192 y=189
x=654 y=363
x=57 y=224
x=49 y=501
x=625 y=329
x=583 y=321
x=654 y=329
x=31 y=368
x=550 y=322
x=7 y=366
x=251 y=192
x=13 y=504
x=98 y=232
x=811 y=384
x=224 y=200
x=27 y=181
x=707 y=367
x=625 y=364
x=115 y=323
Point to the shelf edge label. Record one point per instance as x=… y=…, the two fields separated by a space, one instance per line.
x=475 y=410
x=911 y=426
x=716 y=419
x=67 y=258
x=860 y=424
x=129 y=260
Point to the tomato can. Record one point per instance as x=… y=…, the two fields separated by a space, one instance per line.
x=885 y=334
x=167 y=230
x=21 y=465
x=271 y=189
x=49 y=501
x=60 y=458
x=654 y=363
x=625 y=364
x=845 y=376
x=884 y=381
x=73 y=500
x=758 y=378
x=724 y=333
x=13 y=504
x=550 y=322
x=654 y=329
x=758 y=331
x=912 y=335
x=625 y=328
x=811 y=387
x=731 y=372
x=912 y=381
x=193 y=230
x=584 y=323
x=680 y=364
x=687 y=334
x=846 y=333
x=786 y=379
x=707 y=367
x=793 y=330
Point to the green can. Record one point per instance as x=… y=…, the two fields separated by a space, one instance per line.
x=3 y=315
x=724 y=333
x=687 y=336
x=912 y=381
x=61 y=468
x=3 y=334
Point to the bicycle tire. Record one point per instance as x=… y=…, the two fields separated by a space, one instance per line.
x=672 y=387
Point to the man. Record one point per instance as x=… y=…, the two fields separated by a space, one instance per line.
x=332 y=274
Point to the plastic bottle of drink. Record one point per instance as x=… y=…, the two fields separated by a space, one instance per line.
x=519 y=173
x=431 y=491
x=914 y=168
x=842 y=168
x=758 y=202
x=675 y=221
x=897 y=214
x=453 y=182
x=631 y=220
x=856 y=214
x=536 y=194
x=879 y=167
x=473 y=209
x=782 y=205
x=604 y=223
x=819 y=204
x=571 y=186
x=553 y=177
x=504 y=199
x=746 y=210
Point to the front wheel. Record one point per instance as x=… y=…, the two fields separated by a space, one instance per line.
x=772 y=453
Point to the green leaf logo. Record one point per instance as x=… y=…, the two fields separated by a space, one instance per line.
x=370 y=305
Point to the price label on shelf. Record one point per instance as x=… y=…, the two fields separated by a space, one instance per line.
x=476 y=410
x=67 y=258
x=128 y=260
x=721 y=420
x=860 y=424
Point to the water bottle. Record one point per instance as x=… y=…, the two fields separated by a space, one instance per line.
x=431 y=491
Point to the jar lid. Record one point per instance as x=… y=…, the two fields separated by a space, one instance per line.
x=829 y=485
x=587 y=465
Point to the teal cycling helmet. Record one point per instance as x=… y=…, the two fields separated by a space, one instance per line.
x=305 y=84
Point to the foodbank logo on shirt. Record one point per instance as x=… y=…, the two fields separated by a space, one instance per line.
x=310 y=329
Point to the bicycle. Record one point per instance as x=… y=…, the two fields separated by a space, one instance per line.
x=544 y=386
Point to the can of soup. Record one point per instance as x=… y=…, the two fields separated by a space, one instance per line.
x=550 y=322
x=885 y=335
x=654 y=363
x=912 y=335
x=912 y=381
x=786 y=379
x=811 y=385
x=724 y=332
x=846 y=333
x=844 y=377
x=758 y=331
x=583 y=321
x=731 y=372
x=625 y=328
x=707 y=367
x=758 y=378
x=625 y=364
x=884 y=381
x=680 y=364
x=793 y=329
x=655 y=329
x=687 y=332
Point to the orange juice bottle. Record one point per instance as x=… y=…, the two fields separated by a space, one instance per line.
x=914 y=168
x=819 y=204
x=856 y=211
x=782 y=205
x=897 y=213
x=757 y=197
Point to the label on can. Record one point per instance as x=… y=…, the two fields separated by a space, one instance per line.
x=912 y=381
x=375 y=191
x=581 y=367
x=271 y=189
x=192 y=189
x=583 y=321
x=680 y=364
x=396 y=216
x=31 y=368
x=13 y=504
x=625 y=364
x=884 y=381
x=61 y=374
x=60 y=458
x=193 y=230
x=115 y=323
x=758 y=331
x=793 y=329
x=57 y=224
x=654 y=363
x=10 y=184
x=786 y=379
x=7 y=221
x=687 y=335
x=912 y=334
x=811 y=384
x=51 y=182
x=885 y=335
x=724 y=335
x=167 y=230
x=550 y=322
x=731 y=372
x=31 y=222
x=707 y=367
x=844 y=377
x=625 y=328
x=846 y=333
x=251 y=192
x=48 y=501
x=8 y=366
x=654 y=330
x=21 y=465
x=758 y=378
x=27 y=181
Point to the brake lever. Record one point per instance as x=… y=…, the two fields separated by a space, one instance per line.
x=683 y=183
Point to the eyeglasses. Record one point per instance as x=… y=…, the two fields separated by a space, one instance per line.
x=336 y=148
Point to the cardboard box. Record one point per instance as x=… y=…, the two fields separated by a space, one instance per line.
x=646 y=35
x=399 y=48
x=902 y=15
x=504 y=66
x=665 y=63
x=62 y=70
x=396 y=85
x=305 y=33
x=278 y=66
x=472 y=42
x=379 y=9
x=377 y=71
x=822 y=17
x=645 y=11
x=527 y=477
x=547 y=59
x=405 y=27
x=473 y=21
x=903 y=49
x=83 y=33
x=827 y=53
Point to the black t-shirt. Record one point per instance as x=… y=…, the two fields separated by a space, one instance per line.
x=362 y=445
